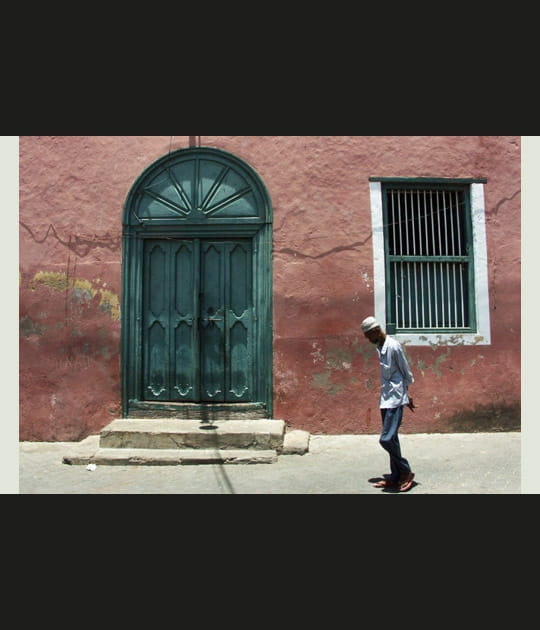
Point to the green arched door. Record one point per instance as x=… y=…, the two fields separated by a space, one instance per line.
x=197 y=295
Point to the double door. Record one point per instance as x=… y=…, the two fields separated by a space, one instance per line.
x=198 y=314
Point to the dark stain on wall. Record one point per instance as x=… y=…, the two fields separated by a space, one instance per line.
x=486 y=418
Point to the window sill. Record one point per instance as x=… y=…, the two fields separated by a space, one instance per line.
x=442 y=339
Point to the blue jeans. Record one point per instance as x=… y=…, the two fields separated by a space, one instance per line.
x=389 y=440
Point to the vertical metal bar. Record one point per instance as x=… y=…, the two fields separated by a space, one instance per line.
x=445 y=225
x=396 y=293
x=408 y=253
x=400 y=227
x=413 y=226
x=406 y=220
x=458 y=224
x=450 y=250
x=455 y=296
x=435 y=295
x=422 y=301
x=402 y=300
x=429 y=293
x=448 y=302
x=393 y=221
x=426 y=223
x=418 y=222
x=409 y=293
x=419 y=266
x=438 y=289
x=462 y=296
x=440 y=254
x=397 y=302
x=399 y=269
x=443 y=313
x=439 y=224
x=432 y=215
x=396 y=284
x=426 y=264
x=416 y=294
x=452 y=227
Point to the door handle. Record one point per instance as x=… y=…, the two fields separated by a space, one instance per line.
x=213 y=316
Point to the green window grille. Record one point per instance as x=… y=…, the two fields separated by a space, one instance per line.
x=429 y=257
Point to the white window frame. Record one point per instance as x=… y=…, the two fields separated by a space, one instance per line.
x=482 y=336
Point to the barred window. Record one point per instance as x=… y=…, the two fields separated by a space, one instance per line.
x=429 y=262
x=430 y=259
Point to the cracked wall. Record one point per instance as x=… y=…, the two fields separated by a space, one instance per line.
x=324 y=285
x=72 y=191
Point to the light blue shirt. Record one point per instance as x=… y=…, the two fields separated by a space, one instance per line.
x=396 y=375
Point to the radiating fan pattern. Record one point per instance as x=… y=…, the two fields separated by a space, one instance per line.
x=197 y=189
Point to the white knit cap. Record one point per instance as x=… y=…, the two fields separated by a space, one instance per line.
x=369 y=324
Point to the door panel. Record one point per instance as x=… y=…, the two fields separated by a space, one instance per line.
x=212 y=340
x=239 y=321
x=198 y=314
x=156 y=324
x=184 y=321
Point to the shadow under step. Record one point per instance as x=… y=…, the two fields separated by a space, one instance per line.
x=173 y=457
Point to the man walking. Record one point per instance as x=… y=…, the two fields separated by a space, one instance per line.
x=396 y=376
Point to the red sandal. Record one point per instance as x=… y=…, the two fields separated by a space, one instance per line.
x=406 y=482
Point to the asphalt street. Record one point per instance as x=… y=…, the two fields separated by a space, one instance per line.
x=457 y=463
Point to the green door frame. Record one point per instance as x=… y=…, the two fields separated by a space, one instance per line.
x=200 y=192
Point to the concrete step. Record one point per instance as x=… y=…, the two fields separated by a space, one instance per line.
x=167 y=434
x=172 y=457
x=168 y=442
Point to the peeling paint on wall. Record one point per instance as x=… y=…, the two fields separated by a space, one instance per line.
x=82 y=290
x=110 y=303
x=28 y=327
x=338 y=362
x=323 y=381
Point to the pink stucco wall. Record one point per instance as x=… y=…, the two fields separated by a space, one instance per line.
x=72 y=191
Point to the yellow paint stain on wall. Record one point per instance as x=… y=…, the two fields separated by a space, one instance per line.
x=59 y=281
x=110 y=302
x=52 y=279
x=84 y=285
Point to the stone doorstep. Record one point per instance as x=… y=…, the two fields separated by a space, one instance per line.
x=169 y=433
x=91 y=451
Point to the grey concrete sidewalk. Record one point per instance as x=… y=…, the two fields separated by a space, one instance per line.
x=471 y=463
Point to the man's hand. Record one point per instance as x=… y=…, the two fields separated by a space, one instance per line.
x=411 y=404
